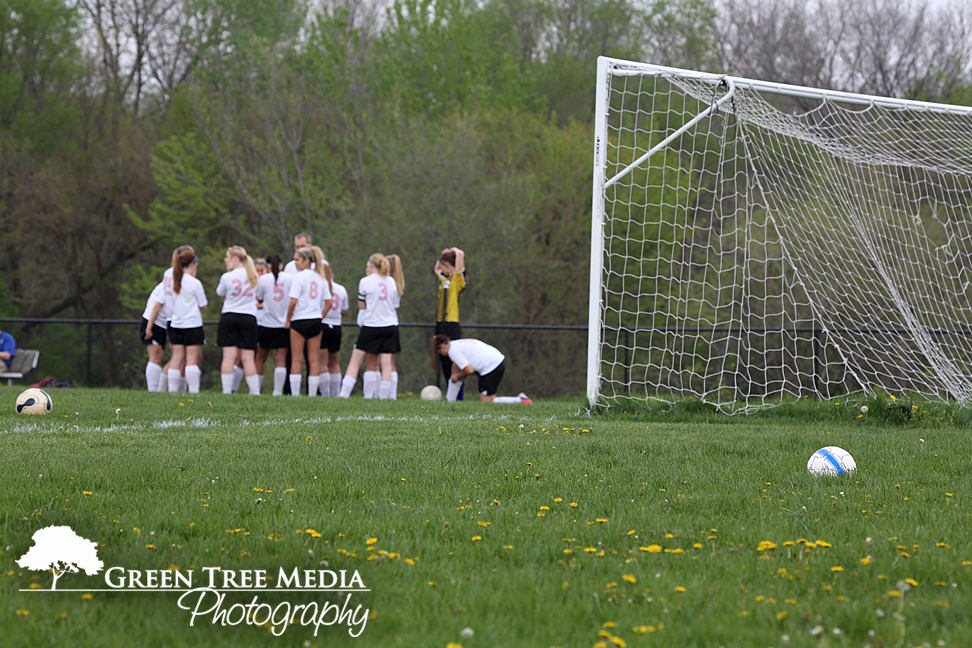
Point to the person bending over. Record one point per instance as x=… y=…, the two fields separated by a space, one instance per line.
x=470 y=357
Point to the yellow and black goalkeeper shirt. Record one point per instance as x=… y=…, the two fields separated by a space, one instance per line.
x=447 y=304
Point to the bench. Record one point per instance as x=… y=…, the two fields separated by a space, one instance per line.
x=22 y=365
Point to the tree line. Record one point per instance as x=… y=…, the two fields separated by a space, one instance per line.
x=128 y=127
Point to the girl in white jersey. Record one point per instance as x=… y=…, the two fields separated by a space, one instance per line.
x=237 y=333
x=273 y=292
x=310 y=298
x=152 y=332
x=186 y=325
x=328 y=362
x=470 y=357
x=378 y=297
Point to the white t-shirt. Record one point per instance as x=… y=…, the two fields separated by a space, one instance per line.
x=275 y=296
x=291 y=267
x=238 y=291
x=192 y=297
x=157 y=297
x=467 y=351
x=380 y=295
x=311 y=291
x=339 y=303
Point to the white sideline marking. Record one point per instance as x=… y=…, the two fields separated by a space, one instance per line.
x=206 y=422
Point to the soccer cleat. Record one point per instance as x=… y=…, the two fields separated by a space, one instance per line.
x=524 y=398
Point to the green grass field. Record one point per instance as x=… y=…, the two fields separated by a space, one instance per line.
x=530 y=525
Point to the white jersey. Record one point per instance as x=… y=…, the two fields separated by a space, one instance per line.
x=483 y=357
x=157 y=297
x=275 y=296
x=238 y=291
x=339 y=303
x=311 y=292
x=168 y=295
x=192 y=297
x=380 y=295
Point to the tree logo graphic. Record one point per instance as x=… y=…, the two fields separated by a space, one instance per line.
x=59 y=549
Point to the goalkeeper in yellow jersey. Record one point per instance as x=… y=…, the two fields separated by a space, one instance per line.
x=450 y=270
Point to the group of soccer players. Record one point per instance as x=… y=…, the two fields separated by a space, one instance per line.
x=298 y=309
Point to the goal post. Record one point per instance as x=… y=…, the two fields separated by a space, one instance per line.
x=754 y=243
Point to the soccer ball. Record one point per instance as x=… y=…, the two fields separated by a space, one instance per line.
x=34 y=401
x=431 y=393
x=831 y=461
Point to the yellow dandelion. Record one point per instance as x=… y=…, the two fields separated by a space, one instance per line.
x=573 y=504
x=371 y=541
x=866 y=561
x=697 y=545
x=558 y=500
x=629 y=578
x=836 y=568
x=781 y=615
x=601 y=520
x=609 y=624
x=912 y=582
x=476 y=538
x=87 y=596
x=589 y=549
x=823 y=543
x=651 y=548
x=894 y=593
x=679 y=588
x=766 y=545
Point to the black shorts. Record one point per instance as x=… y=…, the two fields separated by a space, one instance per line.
x=452 y=329
x=237 y=330
x=273 y=338
x=187 y=337
x=158 y=334
x=309 y=328
x=331 y=338
x=489 y=383
x=378 y=339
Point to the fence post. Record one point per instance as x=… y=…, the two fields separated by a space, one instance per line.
x=87 y=381
x=816 y=361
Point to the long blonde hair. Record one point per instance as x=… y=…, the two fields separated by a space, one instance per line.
x=182 y=257
x=251 y=273
x=320 y=262
x=395 y=269
x=381 y=263
x=329 y=275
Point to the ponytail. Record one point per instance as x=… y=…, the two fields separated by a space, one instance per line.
x=273 y=260
x=437 y=341
x=182 y=257
x=251 y=273
x=395 y=269
x=329 y=275
x=319 y=261
x=381 y=263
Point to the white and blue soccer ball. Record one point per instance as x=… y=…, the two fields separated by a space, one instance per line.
x=431 y=393
x=34 y=401
x=831 y=461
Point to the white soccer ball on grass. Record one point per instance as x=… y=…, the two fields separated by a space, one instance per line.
x=832 y=461
x=34 y=401
x=431 y=393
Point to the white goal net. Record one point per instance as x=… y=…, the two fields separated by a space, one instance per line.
x=754 y=243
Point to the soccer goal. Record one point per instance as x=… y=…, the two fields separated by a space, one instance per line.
x=753 y=243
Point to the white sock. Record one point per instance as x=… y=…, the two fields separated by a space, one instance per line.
x=346 y=386
x=183 y=384
x=393 y=394
x=325 y=384
x=260 y=388
x=295 y=384
x=163 y=382
x=237 y=378
x=453 y=391
x=152 y=373
x=384 y=388
x=371 y=380
x=336 y=384
x=175 y=380
x=193 y=374
x=227 y=380
x=253 y=382
x=507 y=399
x=313 y=383
x=279 y=377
